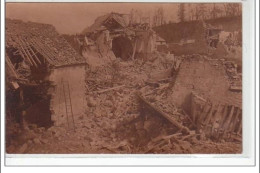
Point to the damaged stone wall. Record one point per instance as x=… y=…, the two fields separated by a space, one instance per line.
x=75 y=77
x=195 y=74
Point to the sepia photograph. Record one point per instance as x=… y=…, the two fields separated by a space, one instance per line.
x=123 y=78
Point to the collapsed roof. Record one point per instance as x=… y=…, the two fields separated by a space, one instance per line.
x=34 y=40
x=108 y=21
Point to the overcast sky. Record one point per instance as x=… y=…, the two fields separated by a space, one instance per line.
x=72 y=18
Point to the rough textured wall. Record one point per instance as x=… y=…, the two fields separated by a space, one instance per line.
x=75 y=76
x=206 y=77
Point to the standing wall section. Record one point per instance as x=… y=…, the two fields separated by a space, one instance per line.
x=75 y=76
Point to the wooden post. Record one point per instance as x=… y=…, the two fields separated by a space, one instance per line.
x=223 y=117
x=9 y=63
x=208 y=117
x=217 y=114
x=228 y=120
x=208 y=121
x=133 y=56
x=240 y=124
x=203 y=114
x=234 y=120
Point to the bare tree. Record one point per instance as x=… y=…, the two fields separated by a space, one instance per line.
x=232 y=9
x=159 y=17
x=197 y=13
x=181 y=12
x=155 y=18
x=131 y=17
x=201 y=10
x=190 y=12
x=214 y=12
x=140 y=16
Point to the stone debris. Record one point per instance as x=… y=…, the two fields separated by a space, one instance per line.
x=134 y=101
x=117 y=122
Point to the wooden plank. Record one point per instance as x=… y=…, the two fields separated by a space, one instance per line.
x=71 y=106
x=9 y=63
x=37 y=45
x=159 y=112
x=208 y=121
x=21 y=51
x=203 y=114
x=208 y=117
x=239 y=131
x=193 y=108
x=223 y=117
x=28 y=52
x=46 y=48
x=41 y=50
x=228 y=120
x=133 y=55
x=109 y=89
x=25 y=52
x=216 y=116
x=25 y=56
x=196 y=102
x=33 y=53
x=234 y=120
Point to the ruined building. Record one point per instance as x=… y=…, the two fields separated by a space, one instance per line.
x=110 y=36
x=44 y=75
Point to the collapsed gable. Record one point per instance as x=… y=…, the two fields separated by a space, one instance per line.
x=109 y=21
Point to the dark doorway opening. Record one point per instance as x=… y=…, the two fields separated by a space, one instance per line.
x=122 y=47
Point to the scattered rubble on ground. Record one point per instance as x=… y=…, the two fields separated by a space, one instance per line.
x=129 y=111
x=129 y=98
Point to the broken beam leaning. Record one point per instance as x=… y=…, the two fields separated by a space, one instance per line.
x=158 y=111
x=9 y=63
x=33 y=53
x=39 y=48
x=26 y=53
x=21 y=51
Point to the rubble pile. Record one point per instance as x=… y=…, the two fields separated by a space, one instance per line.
x=129 y=109
x=133 y=124
x=135 y=101
x=234 y=77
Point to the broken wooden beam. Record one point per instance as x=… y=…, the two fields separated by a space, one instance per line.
x=33 y=53
x=159 y=112
x=9 y=63
x=228 y=120
x=234 y=121
x=26 y=48
x=26 y=53
x=21 y=52
x=133 y=55
x=109 y=89
x=36 y=44
x=235 y=88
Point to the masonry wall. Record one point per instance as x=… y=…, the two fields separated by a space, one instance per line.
x=207 y=78
x=75 y=77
